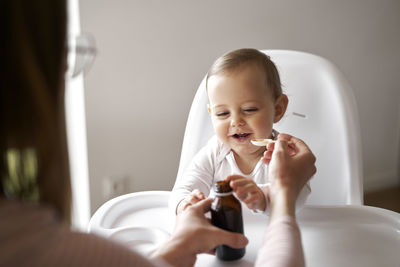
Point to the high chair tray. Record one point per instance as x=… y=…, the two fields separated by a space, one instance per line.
x=331 y=235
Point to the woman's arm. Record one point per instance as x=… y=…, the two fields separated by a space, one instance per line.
x=289 y=171
x=282 y=244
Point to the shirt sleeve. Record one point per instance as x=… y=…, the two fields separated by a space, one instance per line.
x=198 y=175
x=282 y=245
x=44 y=241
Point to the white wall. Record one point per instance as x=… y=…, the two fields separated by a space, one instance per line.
x=153 y=55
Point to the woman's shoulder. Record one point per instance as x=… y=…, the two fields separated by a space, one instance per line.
x=25 y=224
x=36 y=233
x=19 y=212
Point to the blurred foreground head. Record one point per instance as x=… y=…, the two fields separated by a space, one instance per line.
x=34 y=161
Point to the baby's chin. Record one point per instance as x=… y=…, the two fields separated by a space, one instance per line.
x=249 y=150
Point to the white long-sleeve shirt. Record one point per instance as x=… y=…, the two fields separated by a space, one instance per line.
x=215 y=162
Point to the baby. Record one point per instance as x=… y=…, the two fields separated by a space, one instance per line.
x=245 y=100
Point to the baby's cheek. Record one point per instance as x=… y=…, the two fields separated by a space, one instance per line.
x=221 y=129
x=264 y=126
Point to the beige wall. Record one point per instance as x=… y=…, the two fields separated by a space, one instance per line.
x=153 y=55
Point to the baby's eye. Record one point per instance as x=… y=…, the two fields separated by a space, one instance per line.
x=249 y=110
x=222 y=114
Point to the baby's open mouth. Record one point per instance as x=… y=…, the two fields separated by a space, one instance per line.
x=241 y=135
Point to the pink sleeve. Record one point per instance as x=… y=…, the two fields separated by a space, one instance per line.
x=282 y=245
x=32 y=235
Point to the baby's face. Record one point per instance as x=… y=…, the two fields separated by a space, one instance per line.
x=241 y=108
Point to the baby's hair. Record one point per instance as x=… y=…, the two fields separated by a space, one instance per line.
x=235 y=59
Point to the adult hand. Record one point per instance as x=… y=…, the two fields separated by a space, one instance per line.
x=193 y=234
x=290 y=167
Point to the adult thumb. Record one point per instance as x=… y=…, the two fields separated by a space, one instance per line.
x=234 y=240
x=280 y=147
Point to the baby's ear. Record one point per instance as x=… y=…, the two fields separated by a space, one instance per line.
x=281 y=104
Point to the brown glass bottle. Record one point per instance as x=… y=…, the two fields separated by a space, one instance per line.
x=226 y=213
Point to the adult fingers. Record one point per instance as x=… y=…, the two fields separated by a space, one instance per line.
x=270 y=146
x=293 y=143
x=268 y=154
x=300 y=145
x=234 y=240
x=280 y=147
x=303 y=149
x=202 y=206
x=283 y=136
x=266 y=160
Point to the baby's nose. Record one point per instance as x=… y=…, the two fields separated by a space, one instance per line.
x=237 y=120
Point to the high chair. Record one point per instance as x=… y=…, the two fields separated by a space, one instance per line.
x=322 y=111
x=336 y=229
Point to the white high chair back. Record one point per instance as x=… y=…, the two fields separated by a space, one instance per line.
x=322 y=111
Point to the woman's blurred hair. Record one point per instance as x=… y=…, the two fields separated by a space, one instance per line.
x=32 y=119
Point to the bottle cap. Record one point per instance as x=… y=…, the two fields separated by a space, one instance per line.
x=222 y=187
